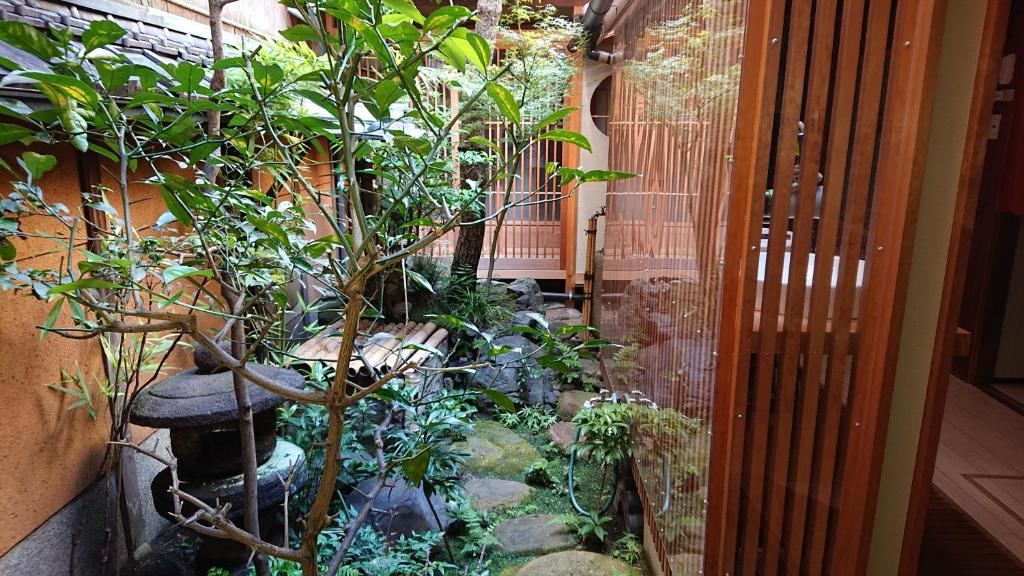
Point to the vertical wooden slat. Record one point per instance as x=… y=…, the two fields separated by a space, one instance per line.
x=919 y=24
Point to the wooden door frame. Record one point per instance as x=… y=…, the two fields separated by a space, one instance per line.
x=968 y=188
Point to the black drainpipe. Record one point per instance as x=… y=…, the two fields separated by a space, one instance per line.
x=593 y=24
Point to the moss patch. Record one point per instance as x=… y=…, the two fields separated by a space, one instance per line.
x=497 y=451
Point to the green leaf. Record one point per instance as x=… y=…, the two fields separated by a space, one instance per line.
x=415 y=468
x=36 y=165
x=7 y=250
x=421 y=280
x=500 y=400
x=100 y=33
x=80 y=285
x=56 y=87
x=180 y=271
x=21 y=35
x=234 y=62
x=506 y=104
x=561 y=135
x=444 y=18
x=51 y=318
x=605 y=175
x=405 y=8
x=175 y=207
x=14 y=108
x=554 y=117
x=301 y=33
x=485 y=143
x=480 y=51
x=12 y=133
x=75 y=125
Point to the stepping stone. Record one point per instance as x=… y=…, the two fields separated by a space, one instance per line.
x=575 y=563
x=497 y=451
x=488 y=493
x=534 y=534
x=562 y=434
x=571 y=402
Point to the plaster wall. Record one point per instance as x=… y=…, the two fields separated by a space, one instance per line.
x=50 y=454
x=591 y=194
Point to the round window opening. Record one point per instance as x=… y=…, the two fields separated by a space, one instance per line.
x=599 y=105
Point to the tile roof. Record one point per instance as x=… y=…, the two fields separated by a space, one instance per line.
x=150 y=32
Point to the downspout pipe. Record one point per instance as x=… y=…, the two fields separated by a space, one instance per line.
x=593 y=23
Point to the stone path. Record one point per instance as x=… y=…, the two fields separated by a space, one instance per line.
x=497 y=451
x=534 y=534
x=488 y=493
x=574 y=563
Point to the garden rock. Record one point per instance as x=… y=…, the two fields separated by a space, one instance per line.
x=571 y=401
x=490 y=493
x=516 y=373
x=561 y=317
x=534 y=534
x=574 y=563
x=527 y=294
x=562 y=434
x=401 y=509
x=496 y=450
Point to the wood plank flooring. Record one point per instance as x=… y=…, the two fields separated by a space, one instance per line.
x=980 y=464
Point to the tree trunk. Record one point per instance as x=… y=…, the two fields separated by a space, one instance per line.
x=470 y=244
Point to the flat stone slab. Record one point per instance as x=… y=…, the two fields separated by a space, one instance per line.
x=189 y=399
x=571 y=401
x=562 y=434
x=534 y=534
x=497 y=451
x=489 y=493
x=575 y=563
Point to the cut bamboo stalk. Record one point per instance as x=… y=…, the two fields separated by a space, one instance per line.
x=420 y=336
x=358 y=368
x=435 y=340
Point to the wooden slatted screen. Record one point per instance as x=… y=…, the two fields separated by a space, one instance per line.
x=672 y=120
x=780 y=147
x=835 y=108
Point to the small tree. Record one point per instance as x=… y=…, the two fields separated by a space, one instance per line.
x=226 y=251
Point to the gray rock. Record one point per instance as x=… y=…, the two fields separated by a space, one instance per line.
x=534 y=534
x=489 y=493
x=575 y=563
x=401 y=509
x=189 y=399
x=516 y=373
x=559 y=318
x=527 y=294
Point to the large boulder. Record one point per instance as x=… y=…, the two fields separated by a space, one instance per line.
x=516 y=372
x=496 y=451
x=401 y=509
x=534 y=534
x=527 y=294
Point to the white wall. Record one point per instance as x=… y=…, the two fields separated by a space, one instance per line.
x=591 y=194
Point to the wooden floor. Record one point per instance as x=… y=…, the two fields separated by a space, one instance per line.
x=980 y=465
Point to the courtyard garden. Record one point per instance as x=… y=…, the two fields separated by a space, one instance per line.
x=252 y=258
